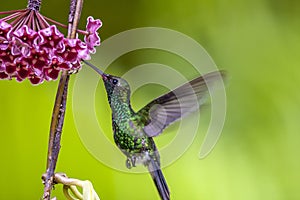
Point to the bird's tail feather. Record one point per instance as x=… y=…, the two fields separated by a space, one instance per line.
x=159 y=180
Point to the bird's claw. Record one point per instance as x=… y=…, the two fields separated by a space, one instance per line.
x=130 y=162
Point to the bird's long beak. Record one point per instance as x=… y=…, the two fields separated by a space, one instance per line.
x=103 y=75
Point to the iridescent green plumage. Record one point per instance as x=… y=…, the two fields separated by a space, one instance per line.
x=133 y=131
x=127 y=125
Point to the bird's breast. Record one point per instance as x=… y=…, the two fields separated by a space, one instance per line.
x=130 y=137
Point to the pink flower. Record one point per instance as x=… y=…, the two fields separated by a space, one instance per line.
x=4 y=29
x=7 y=55
x=22 y=70
x=51 y=72
x=35 y=79
x=25 y=35
x=51 y=38
x=38 y=59
x=37 y=51
x=92 y=39
x=74 y=49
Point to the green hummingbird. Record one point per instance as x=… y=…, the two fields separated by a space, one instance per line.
x=134 y=131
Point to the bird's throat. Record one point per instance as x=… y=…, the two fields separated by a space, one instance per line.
x=121 y=110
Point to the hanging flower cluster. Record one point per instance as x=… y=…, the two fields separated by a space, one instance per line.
x=31 y=48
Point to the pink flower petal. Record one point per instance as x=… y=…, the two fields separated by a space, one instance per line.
x=5 y=28
x=92 y=39
x=51 y=38
x=25 y=35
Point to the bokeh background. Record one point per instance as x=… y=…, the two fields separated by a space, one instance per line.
x=257 y=156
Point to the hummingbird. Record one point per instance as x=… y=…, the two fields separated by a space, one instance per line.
x=133 y=131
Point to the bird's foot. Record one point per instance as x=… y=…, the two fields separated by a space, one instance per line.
x=133 y=159
x=130 y=162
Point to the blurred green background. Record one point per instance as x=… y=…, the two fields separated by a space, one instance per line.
x=257 y=156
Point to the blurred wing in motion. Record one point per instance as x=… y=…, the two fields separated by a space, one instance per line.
x=178 y=103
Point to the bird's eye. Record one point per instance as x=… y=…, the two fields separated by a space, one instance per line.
x=115 y=81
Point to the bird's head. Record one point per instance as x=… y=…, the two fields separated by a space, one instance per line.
x=116 y=87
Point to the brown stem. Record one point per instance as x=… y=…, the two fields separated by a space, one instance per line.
x=42 y=23
x=12 y=16
x=18 y=19
x=59 y=109
x=55 y=22
x=64 y=26
x=12 y=11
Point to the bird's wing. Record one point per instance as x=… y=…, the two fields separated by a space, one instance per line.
x=168 y=108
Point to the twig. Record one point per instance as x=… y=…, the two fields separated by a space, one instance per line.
x=59 y=109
